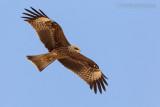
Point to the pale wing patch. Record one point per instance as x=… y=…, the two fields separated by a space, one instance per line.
x=43 y=19
x=96 y=75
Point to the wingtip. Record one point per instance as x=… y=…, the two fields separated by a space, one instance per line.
x=95 y=88
x=43 y=13
x=91 y=86
x=31 y=7
x=99 y=85
x=104 y=81
x=25 y=19
x=102 y=84
x=104 y=76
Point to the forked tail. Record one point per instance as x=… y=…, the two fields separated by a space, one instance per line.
x=42 y=61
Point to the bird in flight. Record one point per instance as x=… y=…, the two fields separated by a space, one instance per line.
x=51 y=35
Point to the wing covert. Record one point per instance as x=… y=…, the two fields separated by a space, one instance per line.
x=49 y=32
x=87 y=70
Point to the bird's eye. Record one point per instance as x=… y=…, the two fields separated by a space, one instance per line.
x=76 y=48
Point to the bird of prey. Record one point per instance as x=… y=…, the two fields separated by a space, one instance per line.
x=51 y=35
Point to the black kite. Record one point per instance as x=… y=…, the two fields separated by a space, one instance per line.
x=52 y=36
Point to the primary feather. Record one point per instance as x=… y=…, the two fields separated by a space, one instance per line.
x=49 y=32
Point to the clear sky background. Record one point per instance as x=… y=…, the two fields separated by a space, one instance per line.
x=124 y=40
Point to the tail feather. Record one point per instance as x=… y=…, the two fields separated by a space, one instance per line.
x=41 y=61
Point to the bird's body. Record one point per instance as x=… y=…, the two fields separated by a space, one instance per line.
x=52 y=36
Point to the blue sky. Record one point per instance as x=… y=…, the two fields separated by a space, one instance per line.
x=123 y=41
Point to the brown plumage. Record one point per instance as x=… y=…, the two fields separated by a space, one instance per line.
x=52 y=36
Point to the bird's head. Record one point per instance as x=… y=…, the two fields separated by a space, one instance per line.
x=74 y=49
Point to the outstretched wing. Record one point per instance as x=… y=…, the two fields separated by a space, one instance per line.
x=87 y=70
x=49 y=32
